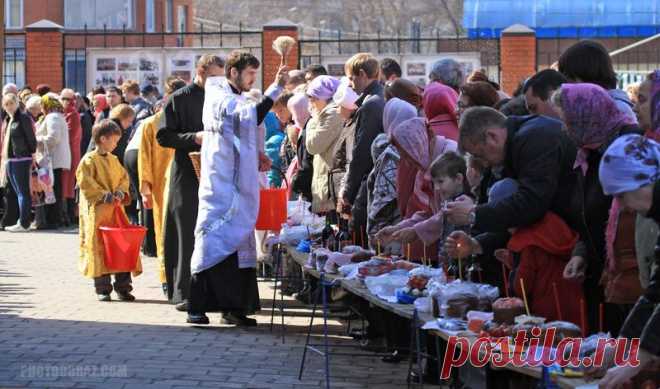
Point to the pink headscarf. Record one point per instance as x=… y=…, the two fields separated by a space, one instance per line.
x=298 y=105
x=591 y=117
x=413 y=137
x=100 y=104
x=439 y=103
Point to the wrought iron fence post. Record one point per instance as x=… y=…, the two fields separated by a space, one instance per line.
x=320 y=48
x=240 y=34
x=359 y=41
x=181 y=36
x=221 y=35
x=105 y=37
x=123 y=34
x=398 y=41
x=378 y=41
x=339 y=40
x=85 y=36
x=201 y=36
x=437 y=40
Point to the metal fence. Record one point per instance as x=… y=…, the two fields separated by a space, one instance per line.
x=76 y=43
x=320 y=48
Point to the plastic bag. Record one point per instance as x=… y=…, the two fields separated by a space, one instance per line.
x=457 y=298
x=424 y=304
x=385 y=285
x=293 y=235
x=487 y=295
x=336 y=260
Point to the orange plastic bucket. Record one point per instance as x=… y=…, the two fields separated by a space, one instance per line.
x=121 y=243
x=272 y=209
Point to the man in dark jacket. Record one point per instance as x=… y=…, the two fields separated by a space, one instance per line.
x=362 y=71
x=531 y=149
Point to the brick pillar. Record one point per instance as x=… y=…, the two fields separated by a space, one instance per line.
x=271 y=60
x=44 y=55
x=517 y=56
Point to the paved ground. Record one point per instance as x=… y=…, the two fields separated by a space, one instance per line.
x=53 y=333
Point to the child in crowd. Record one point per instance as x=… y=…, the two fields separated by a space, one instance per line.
x=538 y=254
x=102 y=181
x=448 y=174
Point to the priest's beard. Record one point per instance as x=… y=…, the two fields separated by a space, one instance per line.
x=241 y=84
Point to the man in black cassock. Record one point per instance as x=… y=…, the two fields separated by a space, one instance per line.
x=183 y=132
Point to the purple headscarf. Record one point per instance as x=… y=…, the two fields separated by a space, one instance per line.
x=591 y=117
x=590 y=114
x=323 y=87
x=298 y=105
x=397 y=111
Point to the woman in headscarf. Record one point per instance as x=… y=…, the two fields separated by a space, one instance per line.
x=440 y=110
x=419 y=146
x=323 y=130
x=101 y=106
x=630 y=170
x=382 y=205
x=300 y=176
x=593 y=121
x=53 y=147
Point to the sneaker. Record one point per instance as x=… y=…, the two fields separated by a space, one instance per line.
x=197 y=318
x=164 y=286
x=104 y=297
x=238 y=320
x=16 y=228
x=125 y=296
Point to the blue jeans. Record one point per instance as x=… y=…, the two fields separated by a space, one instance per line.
x=19 y=177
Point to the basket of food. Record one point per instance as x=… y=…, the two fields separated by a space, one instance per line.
x=196 y=159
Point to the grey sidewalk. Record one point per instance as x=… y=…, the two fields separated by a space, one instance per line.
x=53 y=333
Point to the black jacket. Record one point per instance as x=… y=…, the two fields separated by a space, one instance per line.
x=644 y=320
x=22 y=142
x=540 y=156
x=368 y=124
x=302 y=181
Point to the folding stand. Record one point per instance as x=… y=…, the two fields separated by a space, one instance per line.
x=321 y=292
x=419 y=352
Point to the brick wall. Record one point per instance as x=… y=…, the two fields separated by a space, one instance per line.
x=271 y=60
x=44 y=54
x=518 y=58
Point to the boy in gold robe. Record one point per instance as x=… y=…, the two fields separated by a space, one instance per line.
x=102 y=181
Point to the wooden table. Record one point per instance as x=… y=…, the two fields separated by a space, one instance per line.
x=357 y=288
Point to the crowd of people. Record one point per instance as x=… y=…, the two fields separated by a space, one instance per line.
x=555 y=184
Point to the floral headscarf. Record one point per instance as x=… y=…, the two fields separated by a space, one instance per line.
x=591 y=117
x=51 y=103
x=631 y=162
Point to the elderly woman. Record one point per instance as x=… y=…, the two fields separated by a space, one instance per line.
x=53 y=147
x=383 y=208
x=440 y=110
x=593 y=121
x=323 y=130
x=18 y=145
x=418 y=146
x=300 y=176
x=448 y=72
x=33 y=108
x=630 y=171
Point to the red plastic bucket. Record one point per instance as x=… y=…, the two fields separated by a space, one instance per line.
x=121 y=243
x=272 y=209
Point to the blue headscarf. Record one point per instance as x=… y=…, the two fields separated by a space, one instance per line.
x=631 y=162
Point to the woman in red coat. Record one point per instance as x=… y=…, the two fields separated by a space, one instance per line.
x=68 y=99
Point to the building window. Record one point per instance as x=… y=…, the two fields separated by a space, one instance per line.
x=14 y=64
x=75 y=64
x=95 y=14
x=169 y=16
x=13 y=13
x=182 y=18
x=150 y=16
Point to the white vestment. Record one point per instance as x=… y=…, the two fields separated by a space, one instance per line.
x=229 y=178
